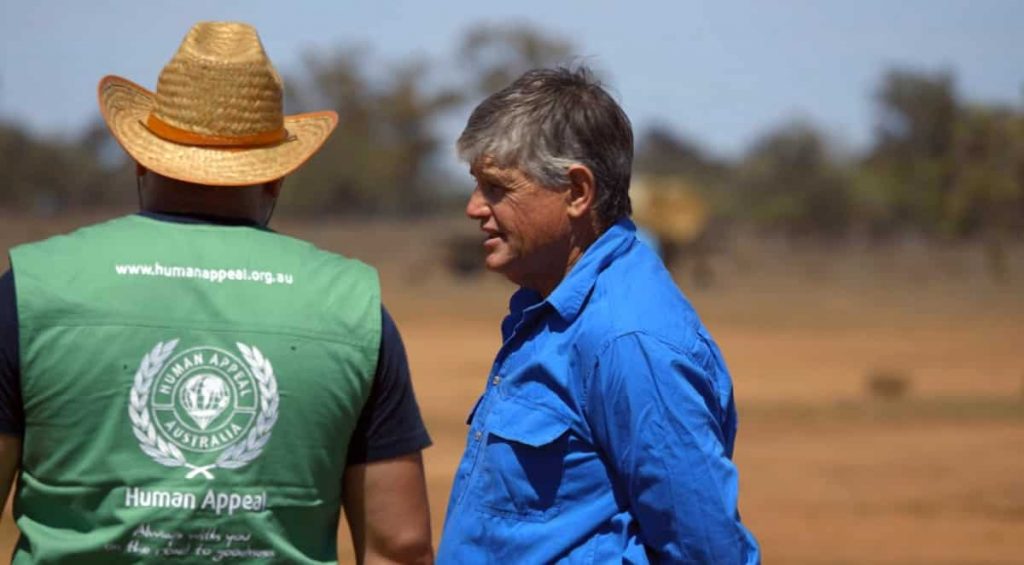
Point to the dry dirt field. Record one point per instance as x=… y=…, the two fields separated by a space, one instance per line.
x=828 y=473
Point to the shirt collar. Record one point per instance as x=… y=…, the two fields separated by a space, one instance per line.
x=568 y=297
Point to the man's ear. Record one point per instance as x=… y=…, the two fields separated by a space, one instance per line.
x=582 y=191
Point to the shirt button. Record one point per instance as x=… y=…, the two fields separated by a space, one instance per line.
x=496 y=380
x=477 y=435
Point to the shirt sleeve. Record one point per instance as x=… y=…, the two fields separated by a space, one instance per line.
x=12 y=415
x=390 y=424
x=655 y=413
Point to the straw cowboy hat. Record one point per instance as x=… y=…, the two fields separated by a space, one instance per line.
x=217 y=115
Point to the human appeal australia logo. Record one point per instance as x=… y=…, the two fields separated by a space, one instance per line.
x=214 y=405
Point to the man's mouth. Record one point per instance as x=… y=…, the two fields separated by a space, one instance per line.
x=493 y=241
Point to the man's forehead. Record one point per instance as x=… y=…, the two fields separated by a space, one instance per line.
x=486 y=165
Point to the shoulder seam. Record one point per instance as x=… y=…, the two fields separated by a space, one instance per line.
x=592 y=364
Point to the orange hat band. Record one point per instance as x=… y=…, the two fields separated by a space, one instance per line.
x=166 y=131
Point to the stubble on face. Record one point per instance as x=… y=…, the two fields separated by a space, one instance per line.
x=526 y=226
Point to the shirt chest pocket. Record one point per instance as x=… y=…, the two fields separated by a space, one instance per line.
x=522 y=463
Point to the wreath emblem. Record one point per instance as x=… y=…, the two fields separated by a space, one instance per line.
x=204 y=397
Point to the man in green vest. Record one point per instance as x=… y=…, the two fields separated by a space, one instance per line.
x=186 y=385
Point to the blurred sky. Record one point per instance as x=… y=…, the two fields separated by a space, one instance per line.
x=719 y=72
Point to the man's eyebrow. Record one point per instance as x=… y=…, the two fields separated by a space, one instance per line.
x=482 y=174
x=480 y=166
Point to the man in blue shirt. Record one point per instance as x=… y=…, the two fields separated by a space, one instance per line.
x=606 y=430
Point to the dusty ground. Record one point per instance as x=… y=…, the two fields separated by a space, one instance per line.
x=829 y=475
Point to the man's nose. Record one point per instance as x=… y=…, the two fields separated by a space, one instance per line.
x=476 y=207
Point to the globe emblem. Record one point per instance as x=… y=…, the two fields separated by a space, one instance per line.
x=204 y=397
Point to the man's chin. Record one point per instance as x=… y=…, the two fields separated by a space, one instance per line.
x=499 y=265
x=495 y=266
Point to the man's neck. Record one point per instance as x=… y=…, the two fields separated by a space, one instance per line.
x=198 y=218
x=162 y=195
x=547 y=286
x=579 y=242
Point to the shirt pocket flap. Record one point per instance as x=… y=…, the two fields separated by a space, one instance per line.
x=529 y=425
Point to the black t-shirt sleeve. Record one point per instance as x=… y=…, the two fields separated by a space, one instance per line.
x=12 y=415
x=390 y=425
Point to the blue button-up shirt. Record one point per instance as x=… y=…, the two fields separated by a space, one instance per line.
x=606 y=430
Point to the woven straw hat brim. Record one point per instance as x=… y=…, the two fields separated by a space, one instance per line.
x=125 y=107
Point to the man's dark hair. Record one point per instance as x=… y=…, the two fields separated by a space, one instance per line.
x=550 y=119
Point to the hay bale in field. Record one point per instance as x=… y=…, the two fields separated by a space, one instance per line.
x=670 y=207
x=673 y=210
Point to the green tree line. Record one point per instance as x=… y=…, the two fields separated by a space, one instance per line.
x=938 y=165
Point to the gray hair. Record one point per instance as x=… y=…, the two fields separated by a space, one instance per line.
x=550 y=119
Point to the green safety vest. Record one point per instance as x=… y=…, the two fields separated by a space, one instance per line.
x=189 y=392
